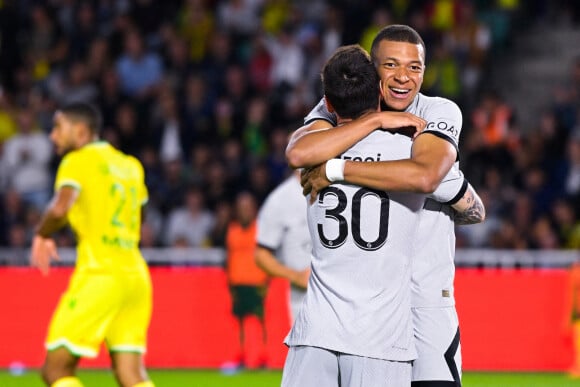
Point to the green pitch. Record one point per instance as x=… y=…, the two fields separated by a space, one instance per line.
x=199 y=378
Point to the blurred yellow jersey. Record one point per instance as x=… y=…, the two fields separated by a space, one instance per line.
x=106 y=216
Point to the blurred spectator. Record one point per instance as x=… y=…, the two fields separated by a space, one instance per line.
x=223 y=216
x=469 y=41
x=191 y=222
x=195 y=24
x=235 y=96
x=542 y=235
x=287 y=63
x=442 y=75
x=567 y=224
x=82 y=31
x=168 y=132
x=217 y=185
x=72 y=84
x=198 y=110
x=214 y=64
x=331 y=30
x=140 y=71
x=98 y=58
x=110 y=96
x=239 y=18
x=381 y=17
x=235 y=161
x=177 y=65
x=7 y=117
x=492 y=117
x=174 y=187
x=10 y=30
x=12 y=211
x=17 y=237
x=131 y=137
x=45 y=44
x=259 y=181
x=27 y=157
x=572 y=179
x=260 y=65
x=276 y=158
x=256 y=130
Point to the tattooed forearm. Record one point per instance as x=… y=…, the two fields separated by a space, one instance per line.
x=470 y=210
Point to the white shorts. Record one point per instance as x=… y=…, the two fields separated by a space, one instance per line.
x=317 y=367
x=438 y=347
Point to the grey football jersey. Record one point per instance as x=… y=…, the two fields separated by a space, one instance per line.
x=283 y=229
x=433 y=263
x=358 y=298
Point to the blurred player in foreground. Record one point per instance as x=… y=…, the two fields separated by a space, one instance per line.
x=100 y=192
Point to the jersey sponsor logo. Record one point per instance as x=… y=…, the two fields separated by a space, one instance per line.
x=363 y=158
x=443 y=126
x=123 y=243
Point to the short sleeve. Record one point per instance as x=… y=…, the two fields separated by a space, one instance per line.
x=444 y=119
x=271 y=225
x=320 y=113
x=143 y=194
x=70 y=172
x=452 y=187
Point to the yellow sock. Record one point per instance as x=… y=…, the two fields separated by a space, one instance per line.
x=147 y=383
x=67 y=381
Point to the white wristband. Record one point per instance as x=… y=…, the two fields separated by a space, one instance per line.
x=335 y=170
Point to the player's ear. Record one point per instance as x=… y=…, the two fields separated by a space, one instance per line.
x=328 y=105
x=381 y=90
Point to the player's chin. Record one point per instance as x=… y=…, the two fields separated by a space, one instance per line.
x=398 y=104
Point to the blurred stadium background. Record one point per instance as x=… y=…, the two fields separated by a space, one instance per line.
x=221 y=84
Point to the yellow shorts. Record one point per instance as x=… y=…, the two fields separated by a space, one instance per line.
x=99 y=307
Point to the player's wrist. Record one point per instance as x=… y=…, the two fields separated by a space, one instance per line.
x=334 y=170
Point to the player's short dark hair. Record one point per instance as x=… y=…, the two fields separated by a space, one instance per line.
x=350 y=81
x=84 y=112
x=396 y=33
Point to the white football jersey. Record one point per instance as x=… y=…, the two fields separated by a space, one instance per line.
x=433 y=264
x=359 y=294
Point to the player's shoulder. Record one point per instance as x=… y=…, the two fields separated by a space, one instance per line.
x=282 y=197
x=75 y=157
x=133 y=161
x=435 y=102
x=286 y=188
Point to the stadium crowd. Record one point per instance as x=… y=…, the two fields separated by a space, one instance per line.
x=205 y=93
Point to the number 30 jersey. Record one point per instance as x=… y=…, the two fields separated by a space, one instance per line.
x=106 y=216
x=358 y=297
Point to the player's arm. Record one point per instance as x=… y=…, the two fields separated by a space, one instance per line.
x=266 y=260
x=431 y=159
x=53 y=219
x=319 y=141
x=469 y=209
x=55 y=215
x=314 y=143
